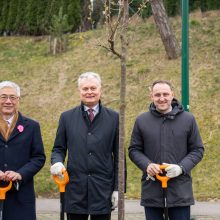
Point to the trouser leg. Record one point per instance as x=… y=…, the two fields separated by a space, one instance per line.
x=154 y=213
x=85 y=217
x=101 y=217
x=71 y=216
x=175 y=213
x=179 y=213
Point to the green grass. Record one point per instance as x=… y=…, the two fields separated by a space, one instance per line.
x=48 y=86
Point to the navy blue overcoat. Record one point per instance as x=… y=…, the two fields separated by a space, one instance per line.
x=92 y=162
x=22 y=153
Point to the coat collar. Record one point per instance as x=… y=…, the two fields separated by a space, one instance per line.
x=177 y=108
x=20 y=126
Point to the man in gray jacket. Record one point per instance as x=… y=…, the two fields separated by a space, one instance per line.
x=166 y=134
x=89 y=133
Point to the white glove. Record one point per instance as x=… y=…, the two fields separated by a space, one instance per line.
x=56 y=169
x=114 y=199
x=173 y=170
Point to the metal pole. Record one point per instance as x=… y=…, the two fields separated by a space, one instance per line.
x=185 y=54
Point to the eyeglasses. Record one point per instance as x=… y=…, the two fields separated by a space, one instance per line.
x=12 y=98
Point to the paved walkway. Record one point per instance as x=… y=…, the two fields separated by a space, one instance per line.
x=48 y=209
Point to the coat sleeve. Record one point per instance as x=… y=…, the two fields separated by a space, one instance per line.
x=60 y=143
x=195 y=148
x=116 y=155
x=37 y=156
x=136 y=148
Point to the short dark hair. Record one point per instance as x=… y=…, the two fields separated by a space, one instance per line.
x=162 y=82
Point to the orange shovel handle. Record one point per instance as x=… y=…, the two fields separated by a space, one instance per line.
x=62 y=182
x=3 y=190
x=163 y=179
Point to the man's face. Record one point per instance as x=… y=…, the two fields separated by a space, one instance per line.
x=90 y=92
x=9 y=102
x=162 y=96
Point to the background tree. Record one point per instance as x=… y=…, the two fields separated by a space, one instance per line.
x=58 y=39
x=97 y=13
x=20 y=22
x=168 y=38
x=1 y=10
x=12 y=13
x=117 y=31
x=86 y=22
x=31 y=17
x=4 y=15
x=74 y=14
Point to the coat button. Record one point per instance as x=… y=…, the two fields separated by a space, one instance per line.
x=89 y=133
x=5 y=165
x=90 y=154
x=6 y=146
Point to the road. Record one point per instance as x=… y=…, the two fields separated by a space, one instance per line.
x=48 y=209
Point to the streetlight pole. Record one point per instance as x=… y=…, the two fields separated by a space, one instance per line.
x=185 y=54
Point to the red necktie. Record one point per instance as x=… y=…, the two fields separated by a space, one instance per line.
x=91 y=114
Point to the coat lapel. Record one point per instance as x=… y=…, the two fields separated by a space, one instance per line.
x=19 y=127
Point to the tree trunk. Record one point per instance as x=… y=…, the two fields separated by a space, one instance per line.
x=124 y=45
x=168 y=38
x=86 y=23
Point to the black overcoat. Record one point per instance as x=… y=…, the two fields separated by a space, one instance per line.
x=166 y=138
x=22 y=153
x=92 y=159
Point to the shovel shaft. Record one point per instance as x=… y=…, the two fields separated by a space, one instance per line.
x=1 y=209
x=62 y=184
x=164 y=180
x=62 y=206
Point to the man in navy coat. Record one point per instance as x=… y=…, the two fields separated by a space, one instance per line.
x=89 y=132
x=21 y=155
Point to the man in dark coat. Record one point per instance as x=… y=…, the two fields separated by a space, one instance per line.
x=89 y=132
x=21 y=155
x=166 y=134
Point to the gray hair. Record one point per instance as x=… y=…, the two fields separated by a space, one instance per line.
x=89 y=75
x=12 y=85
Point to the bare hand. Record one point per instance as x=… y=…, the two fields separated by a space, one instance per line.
x=11 y=175
x=153 y=169
x=2 y=175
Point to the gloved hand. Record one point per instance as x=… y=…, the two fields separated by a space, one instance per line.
x=173 y=170
x=56 y=169
x=114 y=199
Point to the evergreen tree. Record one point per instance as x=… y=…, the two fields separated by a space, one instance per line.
x=74 y=14
x=4 y=15
x=172 y=7
x=135 y=5
x=41 y=23
x=12 y=13
x=31 y=16
x=20 y=22
x=1 y=9
x=47 y=15
x=213 y=4
x=59 y=26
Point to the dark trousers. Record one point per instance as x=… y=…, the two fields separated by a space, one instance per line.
x=85 y=217
x=175 y=213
